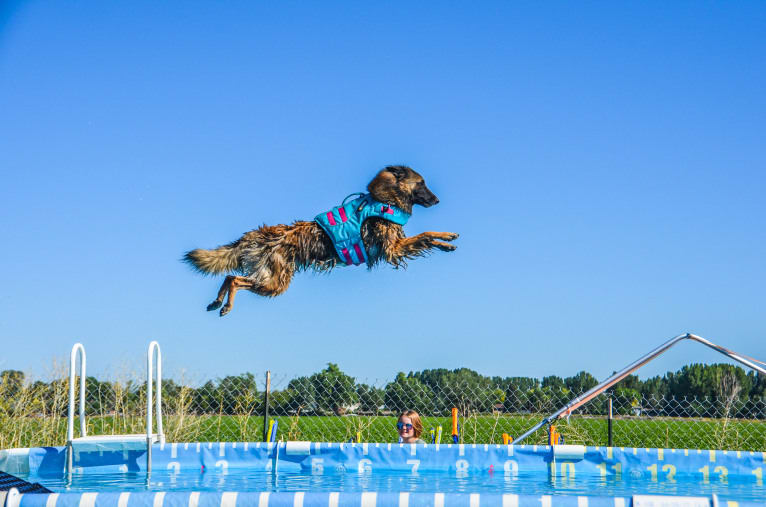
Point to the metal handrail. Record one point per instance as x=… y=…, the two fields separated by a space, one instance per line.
x=567 y=409
x=154 y=349
x=78 y=347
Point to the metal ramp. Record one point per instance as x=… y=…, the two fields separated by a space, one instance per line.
x=97 y=443
x=567 y=409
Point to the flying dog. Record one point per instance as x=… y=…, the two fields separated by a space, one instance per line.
x=367 y=229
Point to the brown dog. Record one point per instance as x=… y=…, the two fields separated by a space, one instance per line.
x=268 y=256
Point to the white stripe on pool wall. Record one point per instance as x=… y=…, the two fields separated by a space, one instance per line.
x=474 y=500
x=619 y=502
x=159 y=498
x=334 y=497
x=545 y=501
x=229 y=499
x=88 y=499
x=52 y=498
x=174 y=450
x=123 y=500
x=194 y=499
x=438 y=499
x=221 y=448
x=510 y=500
x=582 y=501
x=263 y=499
x=369 y=499
x=404 y=499
x=298 y=499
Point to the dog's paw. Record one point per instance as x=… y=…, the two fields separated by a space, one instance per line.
x=444 y=247
x=226 y=309
x=451 y=236
x=214 y=305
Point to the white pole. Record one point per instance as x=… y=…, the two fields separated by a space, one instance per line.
x=149 y=391
x=153 y=346
x=78 y=347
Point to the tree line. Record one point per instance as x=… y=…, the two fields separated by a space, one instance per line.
x=696 y=390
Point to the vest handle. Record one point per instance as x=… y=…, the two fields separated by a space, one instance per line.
x=359 y=194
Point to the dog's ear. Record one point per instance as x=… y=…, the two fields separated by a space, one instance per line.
x=399 y=171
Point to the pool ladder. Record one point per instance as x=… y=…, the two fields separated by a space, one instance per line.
x=114 y=442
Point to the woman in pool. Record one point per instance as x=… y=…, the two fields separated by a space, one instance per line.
x=410 y=427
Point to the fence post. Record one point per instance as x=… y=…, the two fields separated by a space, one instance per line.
x=609 y=405
x=266 y=407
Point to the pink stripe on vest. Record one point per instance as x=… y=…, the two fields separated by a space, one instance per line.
x=342 y=213
x=347 y=256
x=359 y=253
x=331 y=218
x=387 y=210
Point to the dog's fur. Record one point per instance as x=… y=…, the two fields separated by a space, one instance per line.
x=268 y=256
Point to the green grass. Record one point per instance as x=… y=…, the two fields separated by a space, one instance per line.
x=627 y=432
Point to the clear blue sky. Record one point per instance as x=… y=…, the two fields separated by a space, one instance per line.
x=604 y=164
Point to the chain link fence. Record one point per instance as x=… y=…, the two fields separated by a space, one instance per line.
x=331 y=406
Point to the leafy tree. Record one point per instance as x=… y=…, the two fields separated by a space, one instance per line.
x=655 y=387
x=206 y=399
x=99 y=396
x=704 y=381
x=238 y=394
x=522 y=383
x=371 y=399
x=758 y=383
x=334 y=390
x=408 y=392
x=462 y=388
x=517 y=391
x=302 y=395
x=581 y=382
x=626 y=400
x=11 y=384
x=554 y=382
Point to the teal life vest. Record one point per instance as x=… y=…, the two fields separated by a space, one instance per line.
x=344 y=224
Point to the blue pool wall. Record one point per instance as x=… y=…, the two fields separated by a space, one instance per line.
x=459 y=459
x=320 y=458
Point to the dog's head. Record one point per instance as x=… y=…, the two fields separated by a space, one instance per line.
x=401 y=186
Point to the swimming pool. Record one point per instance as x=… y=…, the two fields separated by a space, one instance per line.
x=328 y=474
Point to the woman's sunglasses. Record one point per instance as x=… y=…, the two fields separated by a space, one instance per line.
x=400 y=426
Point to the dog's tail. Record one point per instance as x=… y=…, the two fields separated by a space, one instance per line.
x=224 y=259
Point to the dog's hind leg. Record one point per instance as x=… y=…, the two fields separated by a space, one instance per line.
x=235 y=283
x=225 y=287
x=273 y=278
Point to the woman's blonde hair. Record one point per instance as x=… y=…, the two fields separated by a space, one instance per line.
x=417 y=425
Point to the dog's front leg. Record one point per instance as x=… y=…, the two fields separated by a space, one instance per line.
x=416 y=246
